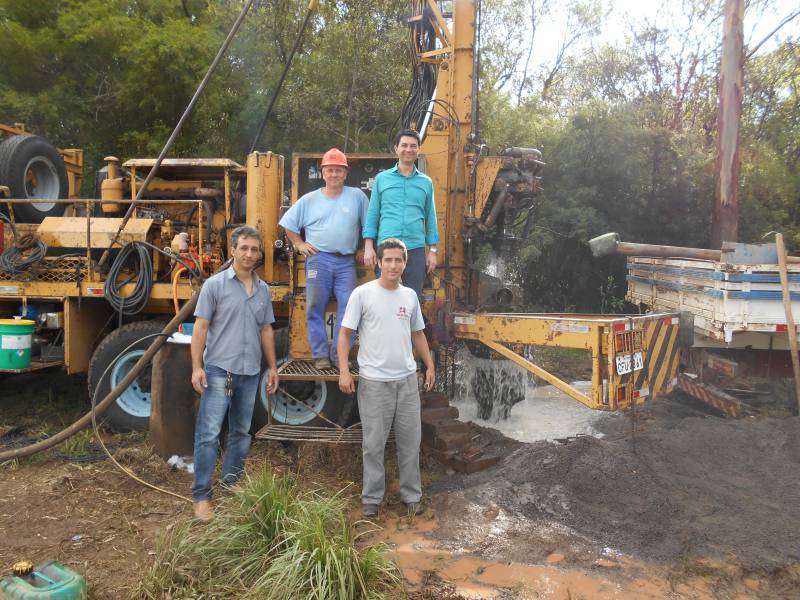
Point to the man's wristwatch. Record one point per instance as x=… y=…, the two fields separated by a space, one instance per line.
x=434 y=250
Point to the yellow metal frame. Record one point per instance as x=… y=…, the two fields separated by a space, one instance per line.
x=606 y=337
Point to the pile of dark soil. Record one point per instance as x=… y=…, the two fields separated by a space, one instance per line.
x=683 y=484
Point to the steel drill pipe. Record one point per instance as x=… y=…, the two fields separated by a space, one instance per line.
x=609 y=243
x=86 y=420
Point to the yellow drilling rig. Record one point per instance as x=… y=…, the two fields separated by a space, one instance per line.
x=179 y=229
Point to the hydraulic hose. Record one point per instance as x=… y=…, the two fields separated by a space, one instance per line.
x=86 y=420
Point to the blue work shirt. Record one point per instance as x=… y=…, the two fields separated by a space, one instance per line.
x=235 y=321
x=402 y=207
x=331 y=224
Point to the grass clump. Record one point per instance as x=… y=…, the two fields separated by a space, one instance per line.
x=270 y=540
x=79 y=444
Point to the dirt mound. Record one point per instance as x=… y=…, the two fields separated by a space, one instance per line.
x=680 y=486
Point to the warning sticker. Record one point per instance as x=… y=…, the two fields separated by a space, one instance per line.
x=9 y=289
x=16 y=342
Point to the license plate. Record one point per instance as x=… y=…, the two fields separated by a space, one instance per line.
x=629 y=362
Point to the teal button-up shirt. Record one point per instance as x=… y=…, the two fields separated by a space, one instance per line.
x=402 y=207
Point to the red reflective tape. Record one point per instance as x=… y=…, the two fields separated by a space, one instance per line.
x=783 y=328
x=621 y=327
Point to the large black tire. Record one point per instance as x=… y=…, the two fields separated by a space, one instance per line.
x=131 y=411
x=324 y=396
x=32 y=168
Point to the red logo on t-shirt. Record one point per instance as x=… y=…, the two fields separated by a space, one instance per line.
x=402 y=313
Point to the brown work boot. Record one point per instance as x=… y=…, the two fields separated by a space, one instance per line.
x=203 y=510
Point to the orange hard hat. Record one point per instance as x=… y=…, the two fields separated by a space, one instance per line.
x=334 y=158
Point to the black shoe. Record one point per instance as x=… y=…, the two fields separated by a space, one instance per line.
x=369 y=510
x=414 y=508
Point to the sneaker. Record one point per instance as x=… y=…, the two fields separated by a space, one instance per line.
x=203 y=511
x=369 y=510
x=322 y=363
x=414 y=508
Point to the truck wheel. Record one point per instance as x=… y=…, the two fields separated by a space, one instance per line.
x=297 y=402
x=32 y=168
x=131 y=411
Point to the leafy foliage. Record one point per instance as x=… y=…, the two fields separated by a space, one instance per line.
x=628 y=130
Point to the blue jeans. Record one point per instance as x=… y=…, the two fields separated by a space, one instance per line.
x=327 y=274
x=214 y=404
x=415 y=272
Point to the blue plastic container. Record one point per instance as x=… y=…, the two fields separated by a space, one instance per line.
x=51 y=580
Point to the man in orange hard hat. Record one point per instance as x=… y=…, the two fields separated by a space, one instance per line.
x=331 y=219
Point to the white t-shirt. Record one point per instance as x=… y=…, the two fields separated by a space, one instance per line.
x=384 y=320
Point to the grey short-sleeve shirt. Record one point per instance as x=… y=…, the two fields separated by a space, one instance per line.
x=235 y=321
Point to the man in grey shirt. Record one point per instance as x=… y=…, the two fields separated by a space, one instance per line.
x=388 y=318
x=233 y=326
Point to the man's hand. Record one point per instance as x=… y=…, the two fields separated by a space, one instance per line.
x=430 y=378
x=199 y=380
x=370 y=258
x=346 y=383
x=306 y=249
x=273 y=381
x=430 y=261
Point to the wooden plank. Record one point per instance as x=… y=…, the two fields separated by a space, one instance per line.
x=36 y=365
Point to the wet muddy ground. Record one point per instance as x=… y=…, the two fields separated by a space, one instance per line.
x=671 y=503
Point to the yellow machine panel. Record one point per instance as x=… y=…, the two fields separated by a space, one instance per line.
x=70 y=232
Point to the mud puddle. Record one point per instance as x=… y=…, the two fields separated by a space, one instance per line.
x=421 y=557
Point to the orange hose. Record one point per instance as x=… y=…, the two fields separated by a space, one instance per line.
x=175 y=277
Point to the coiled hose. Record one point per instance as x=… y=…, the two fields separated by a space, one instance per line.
x=136 y=254
x=13 y=260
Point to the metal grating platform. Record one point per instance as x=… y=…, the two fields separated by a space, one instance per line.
x=302 y=433
x=52 y=269
x=304 y=370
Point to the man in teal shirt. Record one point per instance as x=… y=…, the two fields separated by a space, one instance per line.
x=401 y=206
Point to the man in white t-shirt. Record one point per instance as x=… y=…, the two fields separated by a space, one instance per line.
x=388 y=318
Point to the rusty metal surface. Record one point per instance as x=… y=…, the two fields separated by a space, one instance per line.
x=202 y=168
x=302 y=433
x=304 y=370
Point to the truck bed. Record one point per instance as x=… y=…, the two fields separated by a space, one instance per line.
x=734 y=305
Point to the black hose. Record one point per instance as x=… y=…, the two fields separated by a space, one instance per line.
x=136 y=252
x=11 y=224
x=133 y=304
x=13 y=259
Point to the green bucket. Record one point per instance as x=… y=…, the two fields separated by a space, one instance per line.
x=15 y=343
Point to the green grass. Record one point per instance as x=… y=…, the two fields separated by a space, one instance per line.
x=79 y=444
x=269 y=540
